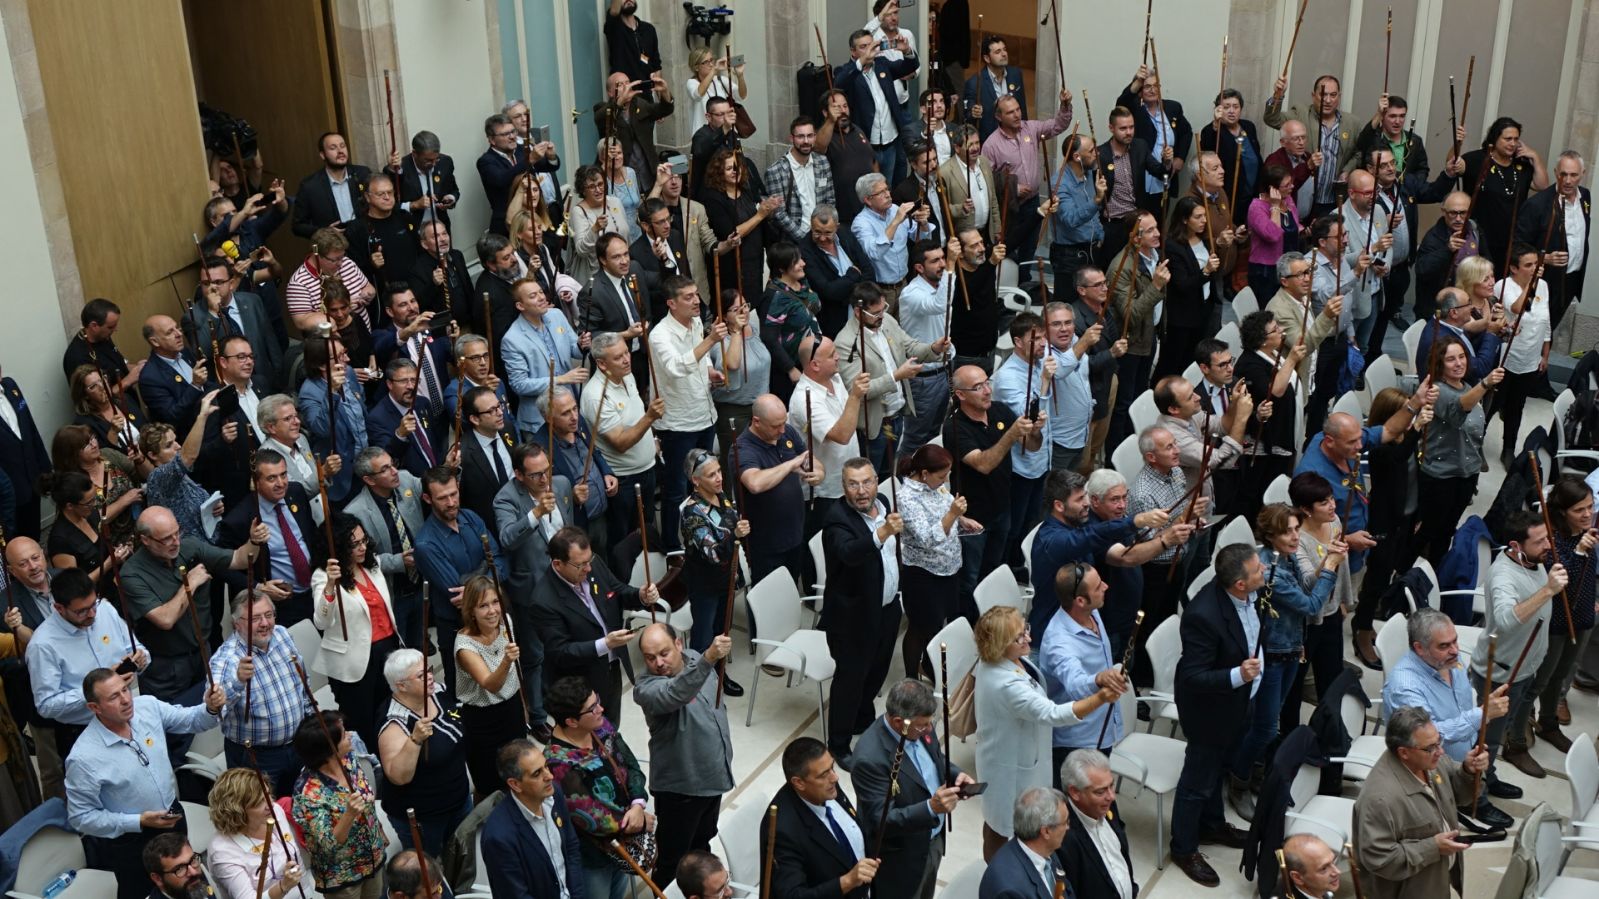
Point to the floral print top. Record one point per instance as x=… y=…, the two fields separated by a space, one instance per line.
x=318 y=803
x=600 y=785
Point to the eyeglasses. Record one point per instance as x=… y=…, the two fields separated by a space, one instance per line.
x=979 y=386
x=239 y=356
x=1024 y=636
x=591 y=709
x=1434 y=749
x=182 y=867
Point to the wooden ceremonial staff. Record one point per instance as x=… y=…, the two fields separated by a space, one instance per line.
x=732 y=577
x=1549 y=528
x=216 y=347
x=388 y=98
x=649 y=351
x=949 y=779
x=1132 y=288
x=1160 y=101
x=822 y=46
x=626 y=856
x=1305 y=4
x=892 y=788
x=550 y=425
x=771 y=851
x=1354 y=871
x=272 y=825
x=1465 y=104
x=960 y=272
x=1149 y=14
x=1127 y=667
x=199 y=632
x=588 y=455
x=249 y=625
x=644 y=540
x=421 y=852
x=316 y=710
x=810 y=444
x=1282 y=871
x=1482 y=725
x=1060 y=55
x=505 y=616
x=1116 y=277
x=327 y=534
x=1388 y=50
x=1198 y=491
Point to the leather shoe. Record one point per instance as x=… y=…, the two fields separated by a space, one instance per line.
x=1492 y=816
x=1500 y=789
x=732 y=687
x=1197 y=869
x=1226 y=835
x=1365 y=645
x=1523 y=760
x=1563 y=713
x=1555 y=738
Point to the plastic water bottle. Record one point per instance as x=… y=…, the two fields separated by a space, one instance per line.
x=59 y=885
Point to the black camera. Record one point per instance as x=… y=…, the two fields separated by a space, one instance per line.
x=706 y=23
x=219 y=130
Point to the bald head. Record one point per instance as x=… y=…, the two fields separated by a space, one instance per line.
x=654 y=638
x=157 y=529
x=1342 y=424
x=26 y=562
x=967 y=375
x=767 y=405
x=1362 y=190
x=662 y=649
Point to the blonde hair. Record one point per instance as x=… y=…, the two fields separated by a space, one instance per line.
x=475 y=592
x=1470 y=271
x=698 y=57
x=230 y=798
x=996 y=631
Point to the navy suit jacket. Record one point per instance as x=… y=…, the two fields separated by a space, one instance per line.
x=1085 y=868
x=172 y=398
x=313 y=202
x=22 y=456
x=1011 y=875
x=235 y=529
x=383 y=419
x=443 y=184
x=979 y=89
x=850 y=79
x=1212 y=711
x=498 y=176
x=386 y=343
x=516 y=860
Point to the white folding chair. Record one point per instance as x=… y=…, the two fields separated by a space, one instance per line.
x=1364 y=749
x=1200 y=582
x=775 y=606
x=201 y=831
x=1349 y=404
x=965 y=883
x=1143 y=411
x=1245 y=303
x=1192 y=374
x=999 y=588
x=1277 y=490
x=1328 y=817
x=1126 y=458
x=1562 y=405
x=740 y=835
x=682 y=619
x=1229 y=335
x=1027 y=543
x=51 y=852
x=1149 y=760
x=1380 y=375
x=308 y=645
x=1550 y=849
x=1164 y=646
x=957 y=637
x=1393 y=641
x=1412 y=339
x=1582 y=773
x=480 y=888
x=1236 y=530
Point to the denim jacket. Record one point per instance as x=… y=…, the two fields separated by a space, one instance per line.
x=1285 y=607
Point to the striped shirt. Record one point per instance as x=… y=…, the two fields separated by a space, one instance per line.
x=304 y=293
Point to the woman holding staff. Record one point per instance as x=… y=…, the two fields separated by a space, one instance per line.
x=490 y=694
x=334 y=808
x=423 y=750
x=731 y=210
x=245 y=818
x=930 y=551
x=1571 y=511
x=710 y=526
x=1452 y=459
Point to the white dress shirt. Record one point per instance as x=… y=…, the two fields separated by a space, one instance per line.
x=883 y=128
x=826 y=408
x=885 y=549
x=684 y=381
x=979 y=195
x=1576 y=236
x=804 y=182
x=1110 y=851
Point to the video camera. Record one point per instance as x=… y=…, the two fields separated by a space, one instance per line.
x=706 y=23
x=218 y=130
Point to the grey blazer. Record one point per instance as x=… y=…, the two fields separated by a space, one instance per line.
x=364 y=506
x=257 y=327
x=526 y=552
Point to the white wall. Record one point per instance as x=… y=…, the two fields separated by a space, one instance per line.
x=32 y=340
x=446 y=88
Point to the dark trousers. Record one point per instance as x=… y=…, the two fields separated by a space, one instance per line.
x=710 y=618
x=406 y=598
x=622 y=511
x=1324 y=389
x=1021 y=231
x=1132 y=378
x=366 y=701
x=862 y=661
x=1393 y=553
x=280 y=764
x=1263 y=281
x=1446 y=499
x=1026 y=510
x=980 y=554
x=1198 y=806
x=1511 y=401
x=1176 y=351
x=123 y=856
x=929 y=601
x=930 y=391
x=877 y=448
x=1520 y=708
x=1114 y=241
x=674 y=481
x=731 y=420
x=1159 y=602
x=1065 y=260
x=1567 y=289
x=682 y=824
x=295 y=609
x=436 y=827
x=1324 y=658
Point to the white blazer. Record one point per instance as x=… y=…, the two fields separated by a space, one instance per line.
x=1015 y=726
x=340 y=659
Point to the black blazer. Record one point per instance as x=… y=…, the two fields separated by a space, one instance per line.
x=1079 y=857
x=1227 y=149
x=652 y=276
x=569 y=631
x=1186 y=306
x=1534 y=221
x=1144 y=127
x=386 y=345
x=171 y=397
x=808 y=860
x=443 y=184
x=603 y=309
x=910 y=820
x=224 y=466
x=383 y=419
x=502 y=306
x=1210 y=709
x=909 y=190
x=979 y=89
x=834 y=289
x=313 y=200
x=23 y=456
x=1011 y=875
x=430 y=296
x=234 y=530
x=498 y=174
x=854 y=591
x=479 y=483
x=1143 y=161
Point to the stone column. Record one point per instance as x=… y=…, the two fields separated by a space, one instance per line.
x=364 y=48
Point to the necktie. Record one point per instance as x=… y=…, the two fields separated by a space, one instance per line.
x=1221 y=396
x=302 y=566
x=421 y=435
x=838 y=834
x=499 y=467
x=399 y=525
x=430 y=379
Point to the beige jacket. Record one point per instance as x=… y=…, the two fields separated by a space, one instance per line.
x=1289 y=313
x=901 y=347
x=1395 y=820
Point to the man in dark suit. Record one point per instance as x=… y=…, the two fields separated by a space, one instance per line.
x=503 y=161
x=389 y=507
x=1158 y=122
x=23 y=457
x=658 y=252
x=333 y=195
x=860 y=612
x=407 y=430
x=528 y=511
x=223 y=311
x=821 y=850
x=1217 y=677
x=1041 y=821
x=1123 y=156
x=577 y=612
x=1565 y=263
x=611 y=303
x=295 y=546
x=171 y=382
x=384 y=239
x=921 y=187
x=426 y=180
x=497 y=256
x=230 y=437
x=997 y=78
x=1091 y=790
x=878 y=111
x=827 y=247
x=485 y=451
x=442 y=287
x=519 y=834
x=913 y=839
x=630 y=113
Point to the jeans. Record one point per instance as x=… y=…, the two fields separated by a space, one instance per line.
x=1198 y=806
x=1364 y=326
x=930 y=393
x=1064 y=458
x=407 y=601
x=1515 y=720
x=674 y=481
x=877 y=447
x=1026 y=510
x=606 y=882
x=281 y=764
x=1275 y=678
x=710 y=614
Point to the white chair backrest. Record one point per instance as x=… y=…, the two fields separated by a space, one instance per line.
x=1582 y=770
x=1393 y=641
x=1027 y=543
x=1353 y=714
x=820 y=561
x=1164 y=646
x=46 y=854
x=208 y=743
x=740 y=834
x=1127 y=704
x=1563 y=404
x=657 y=568
x=1229 y=335
x=1200 y=582
x=1412 y=339
x=1432 y=576
x=1380 y=375
x=1143 y=411
x=957 y=636
x=1277 y=490
x=1548 y=850
x=307 y=642
x=1245 y=303
x=1235 y=531
x=1010 y=273
x=1349 y=404
x=201 y=830
x=776 y=605
x=999 y=589
x=1126 y=458
x=1306 y=782
x=1192 y=374
x=965 y=883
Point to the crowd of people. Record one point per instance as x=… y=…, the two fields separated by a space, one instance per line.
x=432 y=498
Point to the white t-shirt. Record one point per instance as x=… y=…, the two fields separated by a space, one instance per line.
x=1526 y=350
x=827 y=406
x=623 y=408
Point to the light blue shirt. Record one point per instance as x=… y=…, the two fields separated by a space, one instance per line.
x=922 y=307
x=1072 y=405
x=846 y=823
x=1077 y=217
x=181 y=366
x=1163 y=136
x=1453 y=705
x=1070 y=655
x=341 y=196
x=61 y=653
x=277 y=548
x=111 y=780
x=1251 y=621
x=889 y=257
x=925 y=769
x=1011 y=388
x=277 y=701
